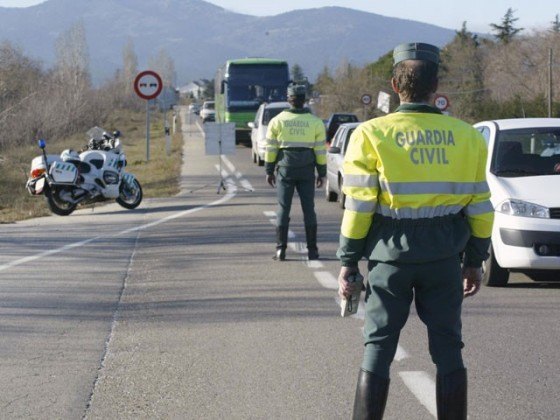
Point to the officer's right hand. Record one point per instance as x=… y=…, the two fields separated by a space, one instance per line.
x=472 y=277
x=345 y=287
x=271 y=179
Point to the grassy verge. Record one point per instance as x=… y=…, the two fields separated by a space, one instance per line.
x=158 y=177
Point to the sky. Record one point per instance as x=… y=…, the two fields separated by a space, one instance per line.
x=533 y=15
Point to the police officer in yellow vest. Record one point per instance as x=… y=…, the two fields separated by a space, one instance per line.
x=295 y=147
x=416 y=198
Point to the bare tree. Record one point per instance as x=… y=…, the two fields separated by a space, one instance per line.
x=130 y=67
x=164 y=65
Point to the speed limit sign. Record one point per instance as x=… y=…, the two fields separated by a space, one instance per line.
x=441 y=102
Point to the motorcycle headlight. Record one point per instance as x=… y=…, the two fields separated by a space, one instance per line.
x=110 y=177
x=523 y=209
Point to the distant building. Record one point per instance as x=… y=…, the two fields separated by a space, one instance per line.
x=194 y=89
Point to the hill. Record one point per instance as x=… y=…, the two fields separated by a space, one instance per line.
x=201 y=36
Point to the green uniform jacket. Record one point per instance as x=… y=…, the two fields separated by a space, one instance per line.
x=416 y=191
x=296 y=138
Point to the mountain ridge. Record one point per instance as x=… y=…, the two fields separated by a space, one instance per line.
x=200 y=36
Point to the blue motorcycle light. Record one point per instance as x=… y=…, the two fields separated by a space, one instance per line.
x=42 y=143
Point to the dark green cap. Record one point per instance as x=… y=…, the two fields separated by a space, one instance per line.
x=297 y=90
x=415 y=51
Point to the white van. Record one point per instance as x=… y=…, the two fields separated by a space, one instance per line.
x=523 y=172
x=265 y=113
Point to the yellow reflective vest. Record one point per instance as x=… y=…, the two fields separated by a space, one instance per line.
x=415 y=165
x=296 y=130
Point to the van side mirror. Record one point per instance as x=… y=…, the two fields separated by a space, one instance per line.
x=251 y=124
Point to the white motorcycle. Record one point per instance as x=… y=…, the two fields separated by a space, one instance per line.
x=94 y=175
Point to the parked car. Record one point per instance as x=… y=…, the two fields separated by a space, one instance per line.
x=335 y=158
x=523 y=171
x=265 y=113
x=335 y=120
x=207 y=112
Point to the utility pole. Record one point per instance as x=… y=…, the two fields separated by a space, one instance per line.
x=550 y=83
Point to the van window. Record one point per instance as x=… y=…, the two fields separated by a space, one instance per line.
x=270 y=113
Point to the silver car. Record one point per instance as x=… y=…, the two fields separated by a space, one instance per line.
x=335 y=158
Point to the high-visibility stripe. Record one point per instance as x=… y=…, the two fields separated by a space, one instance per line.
x=360 y=206
x=418 y=213
x=475 y=209
x=461 y=188
x=272 y=142
x=320 y=152
x=286 y=144
x=364 y=181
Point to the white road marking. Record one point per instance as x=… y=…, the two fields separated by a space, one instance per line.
x=244 y=182
x=326 y=279
x=401 y=354
x=270 y=214
x=314 y=264
x=229 y=195
x=423 y=388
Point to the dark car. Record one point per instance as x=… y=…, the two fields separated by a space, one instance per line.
x=334 y=122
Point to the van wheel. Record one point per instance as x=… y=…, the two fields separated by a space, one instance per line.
x=494 y=275
x=331 y=196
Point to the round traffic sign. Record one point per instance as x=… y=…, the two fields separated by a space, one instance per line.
x=441 y=102
x=366 y=99
x=148 y=84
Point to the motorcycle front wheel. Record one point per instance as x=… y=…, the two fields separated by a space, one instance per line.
x=130 y=197
x=56 y=204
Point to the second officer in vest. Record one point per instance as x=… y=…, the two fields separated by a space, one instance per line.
x=295 y=148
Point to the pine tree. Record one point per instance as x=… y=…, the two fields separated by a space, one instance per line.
x=555 y=25
x=506 y=31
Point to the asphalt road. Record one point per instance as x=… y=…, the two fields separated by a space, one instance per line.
x=176 y=310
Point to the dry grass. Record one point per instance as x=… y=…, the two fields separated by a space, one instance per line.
x=158 y=177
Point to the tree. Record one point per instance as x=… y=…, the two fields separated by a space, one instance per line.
x=72 y=56
x=555 y=25
x=462 y=75
x=164 y=65
x=297 y=73
x=506 y=31
x=130 y=67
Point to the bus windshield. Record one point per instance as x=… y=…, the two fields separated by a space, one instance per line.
x=250 y=85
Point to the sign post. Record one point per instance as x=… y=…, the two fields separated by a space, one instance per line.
x=148 y=85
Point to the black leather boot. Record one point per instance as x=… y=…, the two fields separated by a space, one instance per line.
x=311 y=237
x=281 y=243
x=451 y=395
x=371 y=396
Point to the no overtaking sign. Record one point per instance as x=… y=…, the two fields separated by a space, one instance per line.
x=148 y=85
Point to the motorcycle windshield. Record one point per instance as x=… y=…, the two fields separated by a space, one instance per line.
x=96 y=133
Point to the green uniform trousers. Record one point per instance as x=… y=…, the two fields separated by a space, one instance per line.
x=301 y=179
x=437 y=290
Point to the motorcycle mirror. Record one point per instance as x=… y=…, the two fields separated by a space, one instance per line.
x=42 y=144
x=116 y=133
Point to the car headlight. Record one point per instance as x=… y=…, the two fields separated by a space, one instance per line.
x=523 y=209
